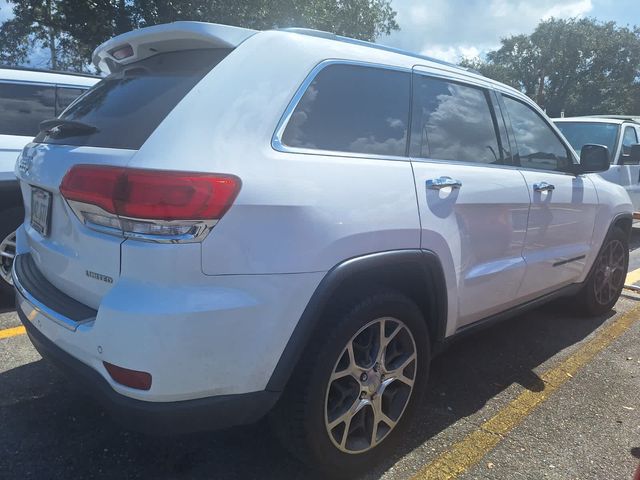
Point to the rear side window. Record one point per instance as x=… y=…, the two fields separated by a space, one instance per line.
x=354 y=109
x=538 y=145
x=453 y=122
x=127 y=106
x=23 y=107
x=64 y=97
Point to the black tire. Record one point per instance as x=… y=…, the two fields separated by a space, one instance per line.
x=610 y=266
x=299 y=418
x=10 y=220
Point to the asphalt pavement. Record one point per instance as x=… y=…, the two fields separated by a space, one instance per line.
x=545 y=395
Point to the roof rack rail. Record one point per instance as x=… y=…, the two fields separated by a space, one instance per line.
x=332 y=36
x=46 y=70
x=631 y=118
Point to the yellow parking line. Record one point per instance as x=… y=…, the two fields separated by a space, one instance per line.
x=12 y=332
x=632 y=277
x=463 y=455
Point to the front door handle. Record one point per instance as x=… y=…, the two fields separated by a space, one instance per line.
x=543 y=187
x=443 y=182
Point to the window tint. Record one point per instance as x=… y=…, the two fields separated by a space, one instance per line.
x=354 y=109
x=452 y=122
x=64 y=97
x=127 y=106
x=538 y=145
x=580 y=134
x=630 y=138
x=23 y=107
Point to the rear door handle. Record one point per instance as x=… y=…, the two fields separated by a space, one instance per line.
x=543 y=187
x=443 y=182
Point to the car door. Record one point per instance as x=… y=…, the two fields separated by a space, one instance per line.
x=563 y=206
x=631 y=167
x=473 y=206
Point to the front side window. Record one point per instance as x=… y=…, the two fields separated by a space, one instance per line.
x=452 y=122
x=538 y=146
x=353 y=109
x=23 y=107
x=580 y=134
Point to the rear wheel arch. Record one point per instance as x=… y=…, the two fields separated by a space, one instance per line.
x=417 y=274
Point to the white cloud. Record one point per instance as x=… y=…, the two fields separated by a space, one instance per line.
x=454 y=29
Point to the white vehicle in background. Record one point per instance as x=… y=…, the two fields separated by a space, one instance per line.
x=236 y=223
x=27 y=97
x=621 y=135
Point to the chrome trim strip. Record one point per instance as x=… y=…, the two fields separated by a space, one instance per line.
x=276 y=139
x=27 y=301
x=37 y=83
x=199 y=229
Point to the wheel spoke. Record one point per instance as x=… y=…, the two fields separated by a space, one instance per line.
x=351 y=370
x=398 y=373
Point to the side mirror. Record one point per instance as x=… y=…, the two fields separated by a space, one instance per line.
x=594 y=159
x=634 y=154
x=631 y=158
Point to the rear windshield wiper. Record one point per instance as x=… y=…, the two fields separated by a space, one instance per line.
x=60 y=127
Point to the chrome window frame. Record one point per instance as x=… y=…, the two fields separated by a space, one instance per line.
x=276 y=139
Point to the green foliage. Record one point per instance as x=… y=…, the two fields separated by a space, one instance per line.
x=68 y=30
x=580 y=66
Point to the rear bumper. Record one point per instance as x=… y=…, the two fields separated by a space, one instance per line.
x=153 y=417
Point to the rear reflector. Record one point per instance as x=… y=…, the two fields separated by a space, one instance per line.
x=129 y=378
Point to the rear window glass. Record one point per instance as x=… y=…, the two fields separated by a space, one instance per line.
x=127 y=106
x=355 y=109
x=23 y=107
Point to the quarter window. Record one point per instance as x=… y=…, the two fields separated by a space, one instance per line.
x=23 y=107
x=354 y=109
x=538 y=145
x=453 y=122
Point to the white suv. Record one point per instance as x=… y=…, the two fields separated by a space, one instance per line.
x=27 y=97
x=237 y=222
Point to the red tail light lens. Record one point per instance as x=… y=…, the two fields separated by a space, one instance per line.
x=149 y=204
x=151 y=194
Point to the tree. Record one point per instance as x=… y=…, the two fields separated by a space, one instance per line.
x=65 y=32
x=578 y=66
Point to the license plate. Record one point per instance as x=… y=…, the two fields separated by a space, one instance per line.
x=40 y=210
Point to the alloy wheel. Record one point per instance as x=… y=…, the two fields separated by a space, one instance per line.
x=7 y=254
x=610 y=272
x=370 y=385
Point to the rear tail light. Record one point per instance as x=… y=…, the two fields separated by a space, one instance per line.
x=149 y=204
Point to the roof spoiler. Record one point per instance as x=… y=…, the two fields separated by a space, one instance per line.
x=169 y=37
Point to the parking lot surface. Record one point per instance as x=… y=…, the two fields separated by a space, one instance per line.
x=545 y=395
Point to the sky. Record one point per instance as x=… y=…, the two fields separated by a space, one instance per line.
x=454 y=29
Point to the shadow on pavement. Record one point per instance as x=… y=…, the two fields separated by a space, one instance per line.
x=51 y=430
x=6 y=303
